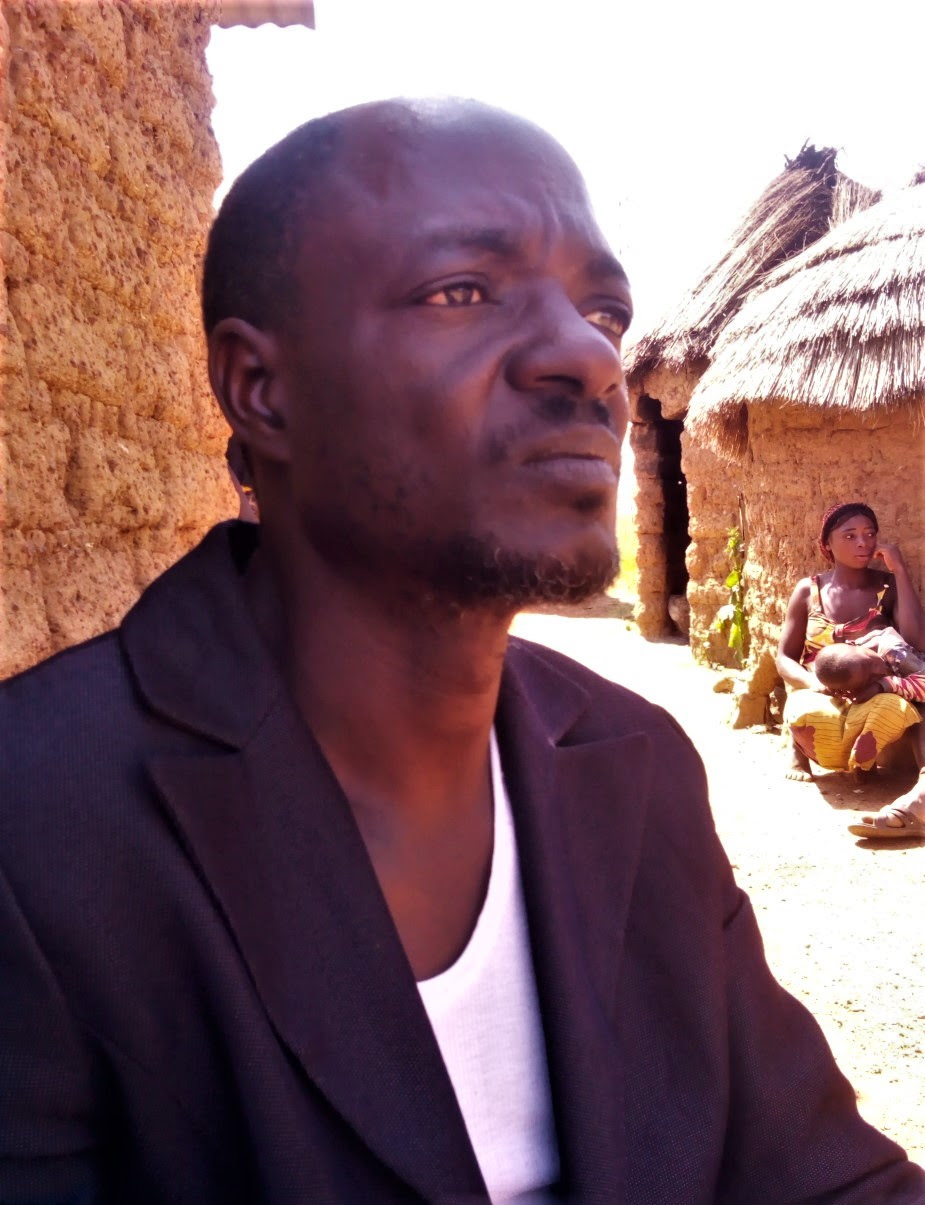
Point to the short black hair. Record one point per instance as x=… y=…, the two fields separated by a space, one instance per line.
x=835 y=664
x=252 y=246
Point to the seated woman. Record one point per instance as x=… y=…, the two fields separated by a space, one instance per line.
x=846 y=604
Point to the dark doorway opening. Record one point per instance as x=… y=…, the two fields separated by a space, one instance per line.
x=673 y=486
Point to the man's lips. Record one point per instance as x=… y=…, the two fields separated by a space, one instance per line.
x=583 y=443
x=583 y=457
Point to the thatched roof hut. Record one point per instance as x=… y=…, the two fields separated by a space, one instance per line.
x=798 y=207
x=816 y=393
x=791 y=376
x=686 y=498
x=840 y=326
x=809 y=388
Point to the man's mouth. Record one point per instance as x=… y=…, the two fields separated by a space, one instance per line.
x=576 y=468
x=585 y=445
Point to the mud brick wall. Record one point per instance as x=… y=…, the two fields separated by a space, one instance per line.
x=659 y=394
x=713 y=488
x=800 y=462
x=713 y=485
x=110 y=446
x=651 y=611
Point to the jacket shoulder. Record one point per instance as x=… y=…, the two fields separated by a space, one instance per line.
x=73 y=701
x=610 y=705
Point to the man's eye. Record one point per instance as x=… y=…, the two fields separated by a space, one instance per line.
x=466 y=293
x=609 y=321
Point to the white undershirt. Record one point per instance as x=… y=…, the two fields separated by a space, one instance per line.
x=485 y=1014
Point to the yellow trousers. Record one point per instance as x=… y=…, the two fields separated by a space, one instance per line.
x=839 y=735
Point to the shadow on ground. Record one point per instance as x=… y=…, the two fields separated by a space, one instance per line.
x=843 y=793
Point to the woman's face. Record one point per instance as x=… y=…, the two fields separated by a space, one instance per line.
x=852 y=541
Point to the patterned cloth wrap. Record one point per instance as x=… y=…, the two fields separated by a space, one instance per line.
x=832 y=732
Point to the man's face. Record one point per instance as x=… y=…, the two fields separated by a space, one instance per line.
x=457 y=400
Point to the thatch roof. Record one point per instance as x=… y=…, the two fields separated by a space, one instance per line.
x=841 y=326
x=798 y=207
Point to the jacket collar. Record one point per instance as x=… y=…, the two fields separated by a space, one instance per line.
x=192 y=644
x=274 y=839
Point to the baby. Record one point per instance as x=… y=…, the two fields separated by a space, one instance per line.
x=879 y=661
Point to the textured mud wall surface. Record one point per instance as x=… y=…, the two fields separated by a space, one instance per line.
x=712 y=488
x=651 y=612
x=803 y=460
x=658 y=395
x=714 y=485
x=110 y=447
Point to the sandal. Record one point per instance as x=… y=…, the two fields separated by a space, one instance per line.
x=875 y=828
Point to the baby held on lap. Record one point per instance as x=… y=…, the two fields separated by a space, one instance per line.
x=880 y=661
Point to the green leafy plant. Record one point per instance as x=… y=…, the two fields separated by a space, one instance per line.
x=732 y=618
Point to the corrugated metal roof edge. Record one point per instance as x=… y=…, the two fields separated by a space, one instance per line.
x=261 y=12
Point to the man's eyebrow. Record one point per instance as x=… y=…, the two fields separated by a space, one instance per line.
x=492 y=239
x=496 y=240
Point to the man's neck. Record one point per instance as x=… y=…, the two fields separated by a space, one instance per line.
x=400 y=692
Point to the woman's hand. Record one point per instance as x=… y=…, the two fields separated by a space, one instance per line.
x=891 y=556
x=902 y=604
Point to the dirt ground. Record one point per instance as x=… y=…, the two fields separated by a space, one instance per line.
x=843 y=919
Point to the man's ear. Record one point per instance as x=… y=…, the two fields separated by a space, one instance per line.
x=244 y=373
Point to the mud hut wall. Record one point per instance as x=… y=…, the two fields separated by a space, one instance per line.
x=801 y=460
x=651 y=612
x=110 y=446
x=660 y=393
x=714 y=484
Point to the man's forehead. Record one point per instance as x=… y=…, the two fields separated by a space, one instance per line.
x=395 y=152
x=484 y=177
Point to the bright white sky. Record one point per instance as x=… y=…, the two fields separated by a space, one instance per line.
x=678 y=112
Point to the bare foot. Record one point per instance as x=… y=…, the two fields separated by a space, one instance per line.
x=798 y=770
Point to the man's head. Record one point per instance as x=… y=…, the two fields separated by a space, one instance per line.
x=847 y=668
x=415 y=330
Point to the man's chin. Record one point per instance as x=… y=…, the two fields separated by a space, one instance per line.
x=480 y=573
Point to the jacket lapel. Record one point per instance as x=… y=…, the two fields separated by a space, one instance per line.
x=276 y=843
x=579 y=803
x=262 y=817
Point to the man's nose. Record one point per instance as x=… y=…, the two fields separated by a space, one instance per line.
x=560 y=348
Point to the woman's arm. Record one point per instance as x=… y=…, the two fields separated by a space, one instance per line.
x=908 y=616
x=792 y=639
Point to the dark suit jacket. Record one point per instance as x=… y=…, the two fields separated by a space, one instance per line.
x=203 y=999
